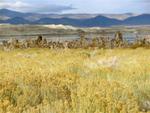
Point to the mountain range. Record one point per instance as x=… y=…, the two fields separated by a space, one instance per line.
x=79 y=20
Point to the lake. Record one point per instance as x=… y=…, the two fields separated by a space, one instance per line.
x=130 y=37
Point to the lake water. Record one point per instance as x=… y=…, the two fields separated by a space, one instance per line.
x=127 y=36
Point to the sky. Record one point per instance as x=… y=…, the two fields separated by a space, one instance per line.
x=78 y=6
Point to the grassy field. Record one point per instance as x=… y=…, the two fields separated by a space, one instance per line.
x=75 y=81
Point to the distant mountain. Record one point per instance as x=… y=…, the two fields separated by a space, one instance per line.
x=11 y=14
x=143 y=19
x=17 y=20
x=93 y=22
x=120 y=16
x=79 y=20
x=4 y=17
x=34 y=16
x=100 y=21
x=65 y=21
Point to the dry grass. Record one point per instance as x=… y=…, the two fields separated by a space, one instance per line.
x=75 y=81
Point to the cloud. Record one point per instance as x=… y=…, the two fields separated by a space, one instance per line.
x=52 y=8
x=81 y=6
x=19 y=5
x=16 y=5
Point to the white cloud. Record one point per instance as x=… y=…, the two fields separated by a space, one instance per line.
x=19 y=5
x=15 y=5
x=82 y=6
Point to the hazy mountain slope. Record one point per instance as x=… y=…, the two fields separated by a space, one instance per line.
x=143 y=19
x=79 y=20
x=35 y=16
x=17 y=20
x=93 y=22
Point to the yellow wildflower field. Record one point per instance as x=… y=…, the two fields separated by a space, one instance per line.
x=75 y=81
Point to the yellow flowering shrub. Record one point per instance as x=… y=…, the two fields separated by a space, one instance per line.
x=75 y=81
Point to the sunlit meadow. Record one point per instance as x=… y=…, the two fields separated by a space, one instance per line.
x=75 y=81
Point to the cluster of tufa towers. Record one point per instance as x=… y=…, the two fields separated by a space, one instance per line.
x=82 y=42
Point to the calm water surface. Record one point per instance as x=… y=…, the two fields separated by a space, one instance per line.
x=127 y=36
